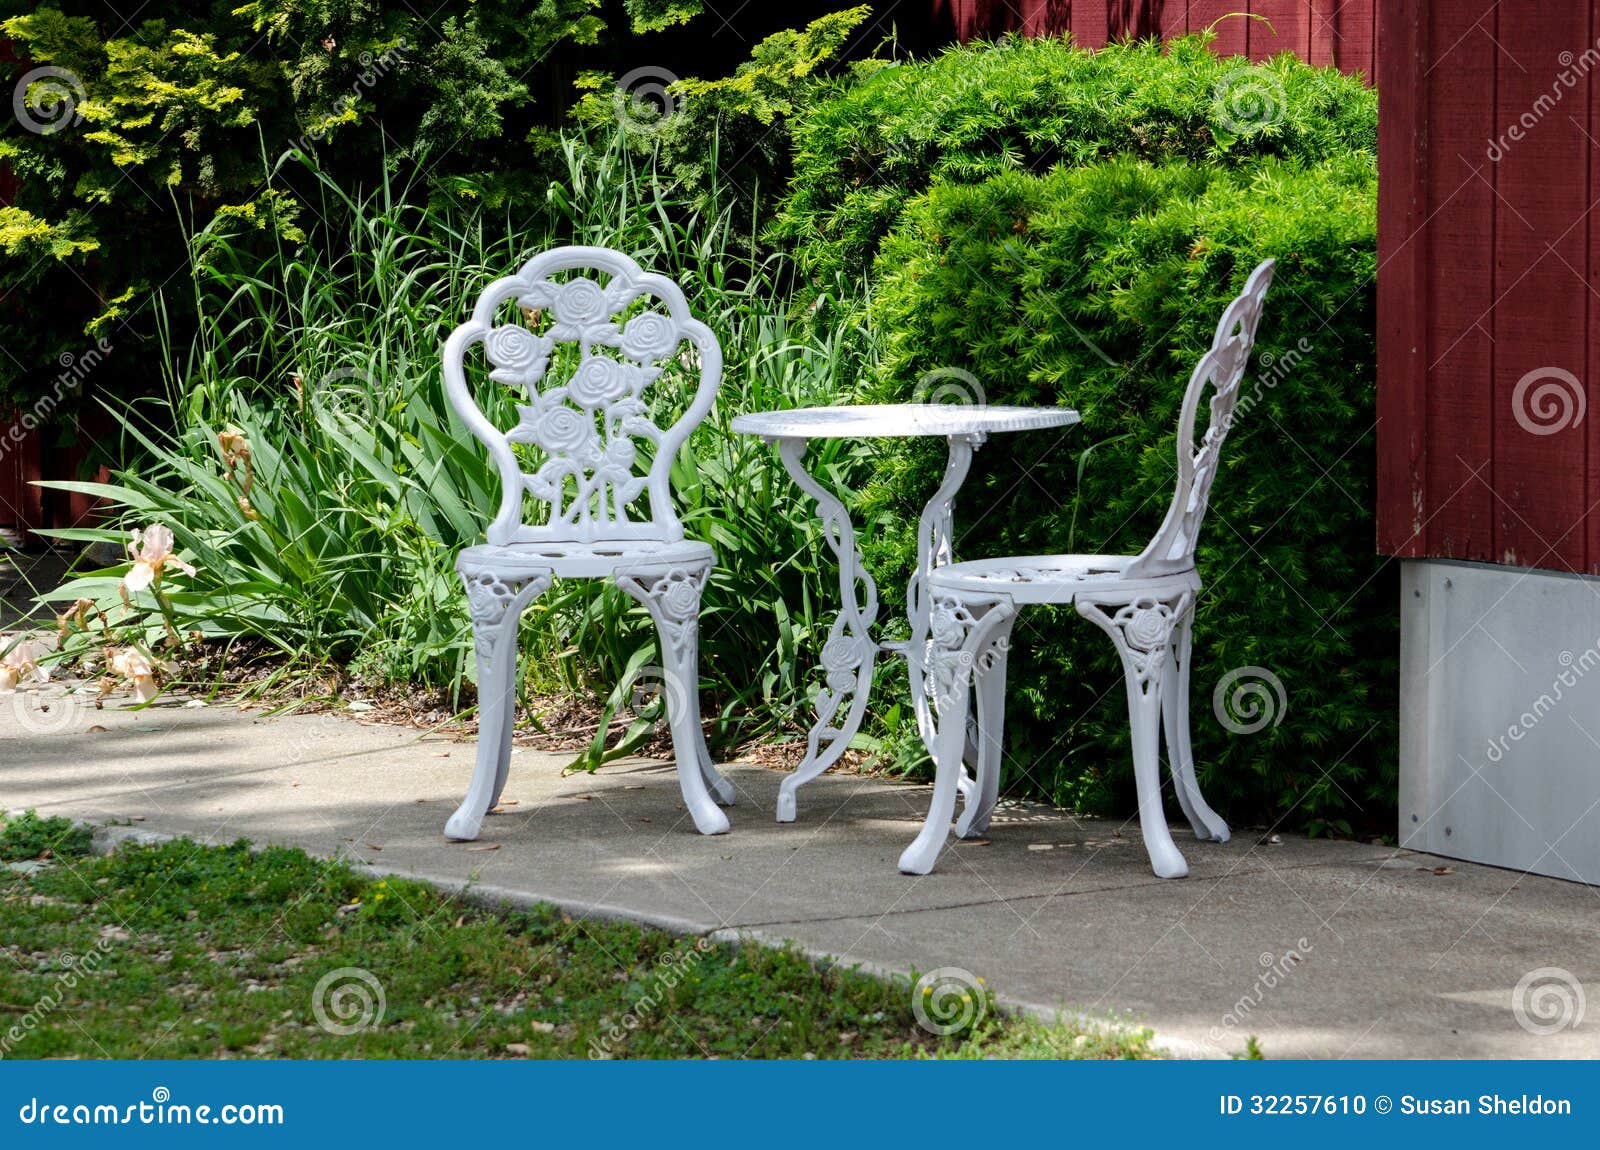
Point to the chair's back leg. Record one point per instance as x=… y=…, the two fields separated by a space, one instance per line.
x=990 y=680
x=1207 y=824
x=1142 y=633
x=672 y=596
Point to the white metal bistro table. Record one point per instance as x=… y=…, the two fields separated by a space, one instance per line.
x=851 y=651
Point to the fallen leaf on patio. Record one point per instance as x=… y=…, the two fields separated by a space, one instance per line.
x=634 y=787
x=643 y=819
x=509 y=802
x=441 y=754
x=1444 y=870
x=97 y=729
x=136 y=818
x=486 y=847
x=374 y=847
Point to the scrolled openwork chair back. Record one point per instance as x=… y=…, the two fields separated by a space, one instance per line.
x=581 y=334
x=1219 y=373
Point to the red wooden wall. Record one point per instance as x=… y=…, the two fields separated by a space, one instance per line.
x=1343 y=33
x=1489 y=338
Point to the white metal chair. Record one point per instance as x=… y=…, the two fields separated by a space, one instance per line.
x=583 y=423
x=1144 y=602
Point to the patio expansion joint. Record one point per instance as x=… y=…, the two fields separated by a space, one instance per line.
x=1006 y=900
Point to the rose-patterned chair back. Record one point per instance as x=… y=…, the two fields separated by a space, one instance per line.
x=1221 y=369
x=589 y=347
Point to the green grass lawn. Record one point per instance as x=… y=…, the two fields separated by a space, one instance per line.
x=184 y=951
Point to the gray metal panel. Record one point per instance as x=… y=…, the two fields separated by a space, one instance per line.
x=1500 y=717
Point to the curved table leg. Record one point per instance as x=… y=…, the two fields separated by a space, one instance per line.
x=848 y=656
x=935 y=548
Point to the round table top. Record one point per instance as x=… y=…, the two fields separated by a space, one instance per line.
x=887 y=420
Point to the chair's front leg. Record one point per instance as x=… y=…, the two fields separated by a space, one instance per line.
x=672 y=596
x=1142 y=631
x=495 y=603
x=961 y=631
x=990 y=676
x=849 y=654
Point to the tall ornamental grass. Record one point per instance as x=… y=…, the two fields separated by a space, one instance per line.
x=331 y=535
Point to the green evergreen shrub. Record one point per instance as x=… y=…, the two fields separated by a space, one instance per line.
x=1098 y=288
x=1033 y=104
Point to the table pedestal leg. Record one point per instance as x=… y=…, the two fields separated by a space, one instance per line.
x=935 y=548
x=848 y=656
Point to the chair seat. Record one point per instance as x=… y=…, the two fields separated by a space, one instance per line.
x=1052 y=578
x=595 y=560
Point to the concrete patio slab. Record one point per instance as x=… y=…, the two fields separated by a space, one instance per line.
x=1321 y=949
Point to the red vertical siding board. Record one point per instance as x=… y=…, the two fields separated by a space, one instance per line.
x=1232 y=33
x=1287 y=28
x=1353 y=26
x=1044 y=17
x=1460 y=417
x=1323 y=32
x=1131 y=20
x=1402 y=280
x=1091 y=23
x=30 y=499
x=1592 y=319
x=1170 y=18
x=1540 y=310
x=10 y=485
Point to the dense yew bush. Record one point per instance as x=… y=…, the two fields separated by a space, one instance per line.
x=1028 y=105
x=1099 y=287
